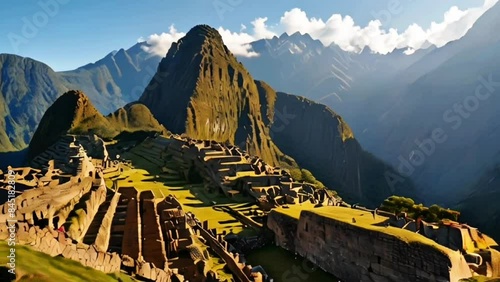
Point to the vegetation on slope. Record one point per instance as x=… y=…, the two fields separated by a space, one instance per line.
x=305 y=175
x=433 y=213
x=35 y=266
x=27 y=88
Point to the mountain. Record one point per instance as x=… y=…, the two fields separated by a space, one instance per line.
x=457 y=98
x=202 y=90
x=480 y=35
x=321 y=141
x=117 y=79
x=27 y=88
x=299 y=64
x=74 y=113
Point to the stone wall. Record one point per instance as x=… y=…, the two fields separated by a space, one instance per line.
x=284 y=228
x=153 y=248
x=104 y=233
x=78 y=229
x=353 y=253
x=220 y=246
x=131 y=237
x=54 y=243
x=149 y=271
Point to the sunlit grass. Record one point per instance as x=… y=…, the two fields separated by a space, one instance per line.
x=35 y=266
x=147 y=175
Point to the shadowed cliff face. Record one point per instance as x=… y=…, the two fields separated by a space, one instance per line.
x=202 y=90
x=74 y=113
x=321 y=141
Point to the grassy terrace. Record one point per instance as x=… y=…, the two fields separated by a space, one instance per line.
x=364 y=220
x=146 y=174
x=36 y=266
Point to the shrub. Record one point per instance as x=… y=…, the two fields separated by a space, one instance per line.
x=434 y=213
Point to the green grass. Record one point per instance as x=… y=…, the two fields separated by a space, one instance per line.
x=194 y=197
x=35 y=266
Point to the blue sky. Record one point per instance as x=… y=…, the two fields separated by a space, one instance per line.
x=79 y=32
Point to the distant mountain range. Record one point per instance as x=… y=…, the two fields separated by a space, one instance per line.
x=117 y=79
x=29 y=87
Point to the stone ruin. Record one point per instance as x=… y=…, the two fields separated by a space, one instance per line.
x=480 y=251
x=63 y=208
x=47 y=198
x=232 y=171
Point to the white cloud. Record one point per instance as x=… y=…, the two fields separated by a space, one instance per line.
x=341 y=30
x=160 y=43
x=261 y=30
x=351 y=37
x=238 y=42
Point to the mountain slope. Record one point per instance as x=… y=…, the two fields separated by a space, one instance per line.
x=116 y=80
x=321 y=141
x=202 y=90
x=481 y=34
x=459 y=98
x=481 y=206
x=27 y=88
x=74 y=113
